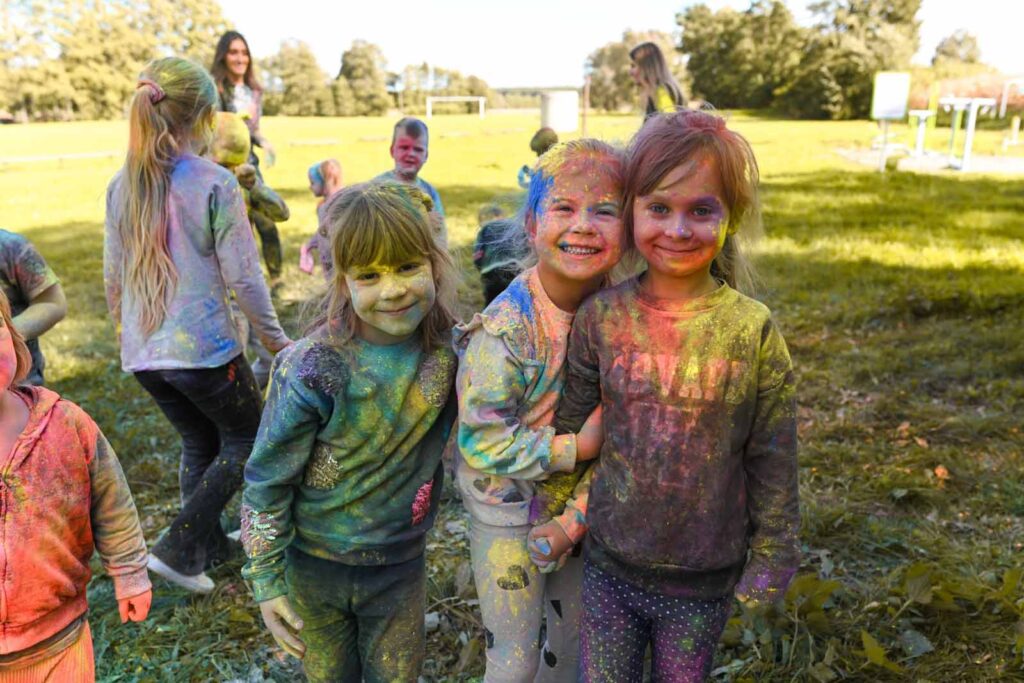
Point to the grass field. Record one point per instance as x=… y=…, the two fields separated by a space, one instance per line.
x=901 y=297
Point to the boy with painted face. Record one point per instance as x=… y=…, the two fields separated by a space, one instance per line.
x=409 y=148
x=63 y=496
x=345 y=477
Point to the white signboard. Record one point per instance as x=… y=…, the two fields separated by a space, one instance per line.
x=892 y=91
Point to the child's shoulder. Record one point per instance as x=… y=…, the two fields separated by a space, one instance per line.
x=610 y=298
x=45 y=403
x=200 y=169
x=316 y=364
x=509 y=316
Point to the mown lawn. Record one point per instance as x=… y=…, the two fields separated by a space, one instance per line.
x=901 y=296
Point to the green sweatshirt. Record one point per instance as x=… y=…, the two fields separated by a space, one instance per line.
x=346 y=466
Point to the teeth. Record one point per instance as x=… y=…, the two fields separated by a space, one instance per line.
x=580 y=251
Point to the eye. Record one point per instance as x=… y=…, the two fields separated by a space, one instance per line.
x=609 y=211
x=368 y=276
x=703 y=211
x=410 y=267
x=658 y=209
x=562 y=207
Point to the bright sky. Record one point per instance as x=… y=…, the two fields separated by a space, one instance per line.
x=545 y=42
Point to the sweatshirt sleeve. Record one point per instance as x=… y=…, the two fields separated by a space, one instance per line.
x=284 y=444
x=573 y=519
x=492 y=386
x=116 y=531
x=770 y=463
x=240 y=262
x=582 y=392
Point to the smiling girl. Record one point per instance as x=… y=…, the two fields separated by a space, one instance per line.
x=695 y=499
x=345 y=477
x=510 y=378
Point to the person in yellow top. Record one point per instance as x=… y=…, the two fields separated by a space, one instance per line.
x=659 y=90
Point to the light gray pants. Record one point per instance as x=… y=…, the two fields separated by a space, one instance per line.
x=514 y=598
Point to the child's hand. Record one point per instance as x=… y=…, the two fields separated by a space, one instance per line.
x=590 y=437
x=284 y=624
x=547 y=544
x=135 y=608
x=306 y=263
x=246 y=174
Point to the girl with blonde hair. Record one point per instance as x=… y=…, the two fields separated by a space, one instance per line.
x=659 y=89
x=177 y=243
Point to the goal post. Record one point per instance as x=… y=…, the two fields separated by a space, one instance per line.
x=481 y=102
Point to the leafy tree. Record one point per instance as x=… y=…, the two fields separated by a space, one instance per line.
x=296 y=86
x=960 y=46
x=362 y=66
x=740 y=59
x=611 y=87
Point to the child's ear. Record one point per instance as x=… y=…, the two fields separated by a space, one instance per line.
x=530 y=223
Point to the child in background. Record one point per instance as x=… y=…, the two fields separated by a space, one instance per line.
x=659 y=91
x=178 y=243
x=510 y=378
x=63 y=492
x=543 y=140
x=698 y=466
x=345 y=478
x=410 y=143
x=501 y=248
x=324 y=182
x=231 y=150
x=34 y=293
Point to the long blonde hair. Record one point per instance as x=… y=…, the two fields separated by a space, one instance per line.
x=172 y=109
x=386 y=222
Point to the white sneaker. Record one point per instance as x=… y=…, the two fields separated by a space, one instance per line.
x=200 y=583
x=236 y=535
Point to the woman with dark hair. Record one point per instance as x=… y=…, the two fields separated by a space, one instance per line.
x=659 y=90
x=242 y=94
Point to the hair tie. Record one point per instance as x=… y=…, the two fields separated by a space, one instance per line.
x=158 y=93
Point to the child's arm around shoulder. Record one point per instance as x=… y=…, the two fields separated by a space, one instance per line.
x=492 y=386
x=116 y=530
x=309 y=377
x=582 y=392
x=770 y=463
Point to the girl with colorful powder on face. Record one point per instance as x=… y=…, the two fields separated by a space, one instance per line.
x=178 y=242
x=63 y=494
x=511 y=375
x=694 y=500
x=324 y=182
x=345 y=478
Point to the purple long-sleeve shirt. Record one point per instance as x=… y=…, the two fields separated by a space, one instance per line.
x=699 y=462
x=214 y=252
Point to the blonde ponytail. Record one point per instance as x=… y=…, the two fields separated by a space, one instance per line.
x=173 y=102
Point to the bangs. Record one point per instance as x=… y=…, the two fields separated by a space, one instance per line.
x=379 y=224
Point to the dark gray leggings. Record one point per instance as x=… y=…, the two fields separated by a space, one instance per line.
x=217 y=413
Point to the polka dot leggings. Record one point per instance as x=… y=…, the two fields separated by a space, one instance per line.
x=620 y=619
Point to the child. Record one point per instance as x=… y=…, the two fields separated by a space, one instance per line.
x=177 y=243
x=345 y=478
x=698 y=467
x=510 y=378
x=231 y=150
x=324 y=182
x=543 y=140
x=499 y=252
x=34 y=293
x=409 y=146
x=659 y=90
x=63 y=491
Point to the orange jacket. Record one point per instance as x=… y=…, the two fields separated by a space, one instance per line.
x=61 y=491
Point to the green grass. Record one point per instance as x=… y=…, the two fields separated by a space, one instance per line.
x=902 y=299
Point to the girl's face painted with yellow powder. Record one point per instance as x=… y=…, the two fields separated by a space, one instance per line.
x=681 y=226
x=391 y=300
x=578 y=234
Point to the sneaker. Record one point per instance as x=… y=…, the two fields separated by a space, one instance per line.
x=199 y=583
x=236 y=535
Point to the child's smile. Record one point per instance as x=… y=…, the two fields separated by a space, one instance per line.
x=391 y=300
x=680 y=227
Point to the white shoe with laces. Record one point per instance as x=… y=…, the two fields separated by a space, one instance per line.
x=200 y=583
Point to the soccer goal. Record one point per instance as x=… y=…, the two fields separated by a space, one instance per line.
x=481 y=101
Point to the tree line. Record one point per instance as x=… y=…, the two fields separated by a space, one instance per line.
x=78 y=59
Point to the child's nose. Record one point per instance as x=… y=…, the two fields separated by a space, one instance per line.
x=392 y=287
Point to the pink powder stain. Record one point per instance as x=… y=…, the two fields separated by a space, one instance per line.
x=421 y=503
